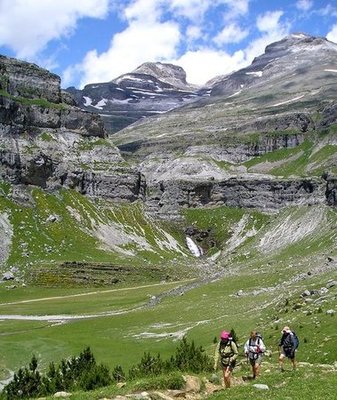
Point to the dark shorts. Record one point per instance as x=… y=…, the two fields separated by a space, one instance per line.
x=226 y=364
x=289 y=353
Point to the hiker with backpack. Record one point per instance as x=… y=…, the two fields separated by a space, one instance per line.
x=254 y=349
x=287 y=347
x=227 y=351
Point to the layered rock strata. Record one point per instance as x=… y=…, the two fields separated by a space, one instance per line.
x=47 y=141
x=263 y=193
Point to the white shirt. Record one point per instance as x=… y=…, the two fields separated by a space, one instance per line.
x=254 y=346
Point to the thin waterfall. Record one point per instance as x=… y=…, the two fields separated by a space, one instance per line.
x=194 y=249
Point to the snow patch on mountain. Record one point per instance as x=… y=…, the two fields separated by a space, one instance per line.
x=88 y=101
x=255 y=73
x=101 y=104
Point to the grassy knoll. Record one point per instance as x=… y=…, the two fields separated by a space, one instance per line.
x=85 y=302
x=302 y=384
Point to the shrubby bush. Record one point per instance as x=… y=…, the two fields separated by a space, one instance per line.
x=83 y=373
x=26 y=382
x=189 y=357
x=172 y=380
x=118 y=374
x=80 y=372
x=149 y=365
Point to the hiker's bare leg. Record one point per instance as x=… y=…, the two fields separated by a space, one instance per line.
x=293 y=361
x=281 y=361
x=227 y=377
x=256 y=370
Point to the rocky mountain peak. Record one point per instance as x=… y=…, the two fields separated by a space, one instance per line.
x=169 y=73
x=297 y=55
x=299 y=41
x=152 y=88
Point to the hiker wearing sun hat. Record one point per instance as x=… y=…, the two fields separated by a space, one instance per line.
x=254 y=349
x=227 y=351
x=287 y=347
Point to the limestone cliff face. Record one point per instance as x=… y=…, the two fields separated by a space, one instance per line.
x=27 y=80
x=263 y=193
x=47 y=141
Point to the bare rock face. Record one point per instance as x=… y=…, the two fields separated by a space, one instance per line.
x=47 y=141
x=19 y=78
x=331 y=191
x=247 y=191
x=168 y=73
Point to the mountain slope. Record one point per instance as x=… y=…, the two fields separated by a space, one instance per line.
x=280 y=91
x=283 y=105
x=150 y=89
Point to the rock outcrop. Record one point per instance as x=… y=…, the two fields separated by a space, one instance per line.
x=264 y=193
x=49 y=142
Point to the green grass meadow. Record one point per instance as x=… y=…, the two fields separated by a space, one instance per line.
x=258 y=285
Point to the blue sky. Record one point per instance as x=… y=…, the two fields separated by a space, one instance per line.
x=90 y=41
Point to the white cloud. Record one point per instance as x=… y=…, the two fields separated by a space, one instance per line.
x=26 y=26
x=205 y=64
x=143 y=10
x=304 y=5
x=190 y=9
x=230 y=34
x=269 y=21
x=193 y=33
x=332 y=35
x=140 y=42
x=327 y=11
x=236 y=8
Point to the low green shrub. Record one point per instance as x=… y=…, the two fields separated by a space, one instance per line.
x=118 y=374
x=78 y=373
x=189 y=357
x=83 y=373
